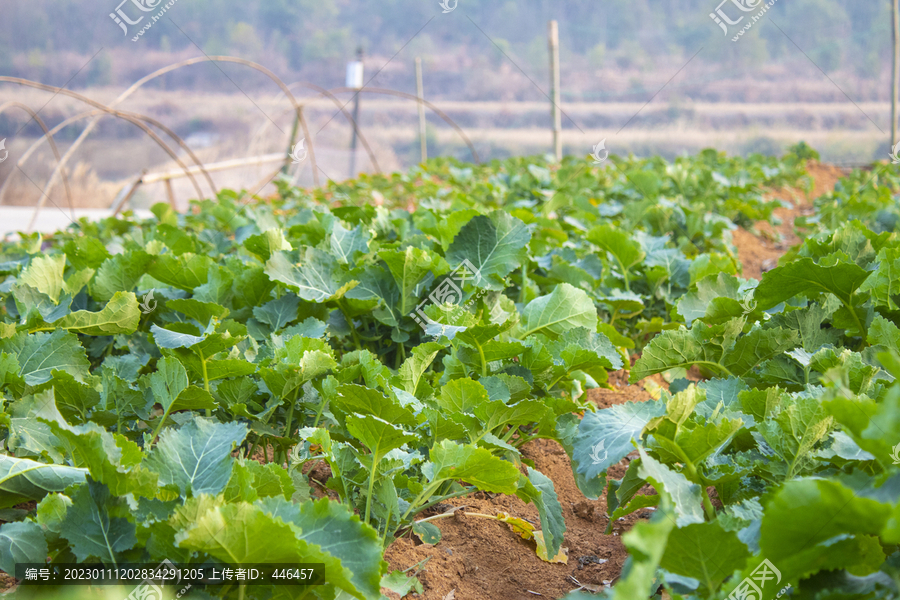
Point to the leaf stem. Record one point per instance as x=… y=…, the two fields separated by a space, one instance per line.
x=483 y=361
x=371 y=485
x=524 y=280
x=349 y=320
x=319 y=412
x=253 y=447
x=440 y=499
x=162 y=420
x=205 y=378
x=426 y=493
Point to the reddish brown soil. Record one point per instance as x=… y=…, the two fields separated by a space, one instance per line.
x=759 y=254
x=482 y=559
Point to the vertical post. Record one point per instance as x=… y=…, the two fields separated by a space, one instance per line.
x=357 y=82
x=170 y=193
x=554 y=88
x=895 y=82
x=420 y=92
x=288 y=156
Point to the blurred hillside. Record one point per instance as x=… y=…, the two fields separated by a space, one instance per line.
x=612 y=49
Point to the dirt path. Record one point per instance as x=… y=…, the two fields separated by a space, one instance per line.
x=481 y=559
x=759 y=254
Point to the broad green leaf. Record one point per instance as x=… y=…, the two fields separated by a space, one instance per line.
x=197 y=457
x=580 y=349
x=428 y=533
x=717 y=348
x=30 y=303
x=85 y=252
x=704 y=551
x=379 y=436
x=22 y=480
x=538 y=489
x=278 y=313
x=200 y=311
x=873 y=425
x=646 y=543
x=111 y=459
x=194 y=398
x=804 y=521
x=120 y=315
x=119 y=273
x=250 y=481
x=685 y=495
x=495 y=413
x=793 y=433
x=76 y=282
x=495 y=245
x=313 y=278
x=267 y=243
x=756 y=347
x=476 y=466
x=185 y=272
x=51 y=511
x=625 y=251
x=21 y=542
x=564 y=309
x=347 y=243
x=804 y=276
x=74 y=399
x=408 y=268
x=884 y=283
x=883 y=332
x=168 y=339
x=90 y=529
x=339 y=532
x=243 y=533
x=367 y=401
x=721 y=287
x=462 y=396
x=605 y=437
x=45 y=274
x=414 y=367
x=679 y=438
x=39 y=354
x=168 y=381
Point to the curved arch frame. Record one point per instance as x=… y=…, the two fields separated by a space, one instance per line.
x=48 y=135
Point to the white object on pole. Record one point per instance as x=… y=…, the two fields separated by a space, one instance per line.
x=355 y=74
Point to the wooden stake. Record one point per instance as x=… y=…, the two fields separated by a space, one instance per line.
x=170 y=193
x=359 y=57
x=420 y=92
x=554 y=87
x=895 y=82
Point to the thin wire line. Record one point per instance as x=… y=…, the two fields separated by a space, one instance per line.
x=524 y=73
x=60 y=89
x=660 y=90
x=376 y=74
x=226 y=75
x=826 y=75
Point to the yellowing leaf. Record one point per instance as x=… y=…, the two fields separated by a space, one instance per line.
x=562 y=557
x=521 y=527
